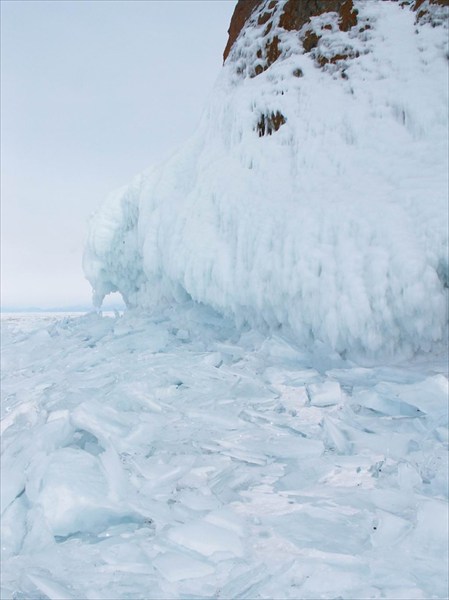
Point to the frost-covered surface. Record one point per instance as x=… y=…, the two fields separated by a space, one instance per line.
x=171 y=456
x=179 y=452
x=332 y=230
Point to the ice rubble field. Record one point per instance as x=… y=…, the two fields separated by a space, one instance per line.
x=170 y=456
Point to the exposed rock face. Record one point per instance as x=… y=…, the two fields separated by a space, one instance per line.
x=280 y=16
x=242 y=12
x=295 y=14
x=419 y=3
x=433 y=11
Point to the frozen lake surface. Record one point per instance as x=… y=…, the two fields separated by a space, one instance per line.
x=168 y=456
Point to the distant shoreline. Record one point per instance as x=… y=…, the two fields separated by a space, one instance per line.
x=63 y=309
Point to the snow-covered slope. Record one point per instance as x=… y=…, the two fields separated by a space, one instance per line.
x=313 y=196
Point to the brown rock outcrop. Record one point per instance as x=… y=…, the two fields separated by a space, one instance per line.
x=295 y=14
x=422 y=8
x=419 y=3
x=241 y=14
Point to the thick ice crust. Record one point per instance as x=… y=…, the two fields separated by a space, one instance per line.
x=312 y=198
x=165 y=456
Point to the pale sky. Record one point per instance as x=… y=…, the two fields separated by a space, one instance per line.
x=93 y=92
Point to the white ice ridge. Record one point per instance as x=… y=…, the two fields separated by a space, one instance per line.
x=335 y=227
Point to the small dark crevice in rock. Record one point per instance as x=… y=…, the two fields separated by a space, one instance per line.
x=269 y=123
x=310 y=41
x=323 y=60
x=268 y=29
x=348 y=16
x=273 y=52
x=264 y=18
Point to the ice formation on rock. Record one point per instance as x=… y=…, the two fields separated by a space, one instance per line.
x=312 y=198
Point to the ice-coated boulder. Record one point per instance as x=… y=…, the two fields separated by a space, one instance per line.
x=312 y=199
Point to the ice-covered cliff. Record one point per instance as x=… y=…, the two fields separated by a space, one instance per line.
x=313 y=196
